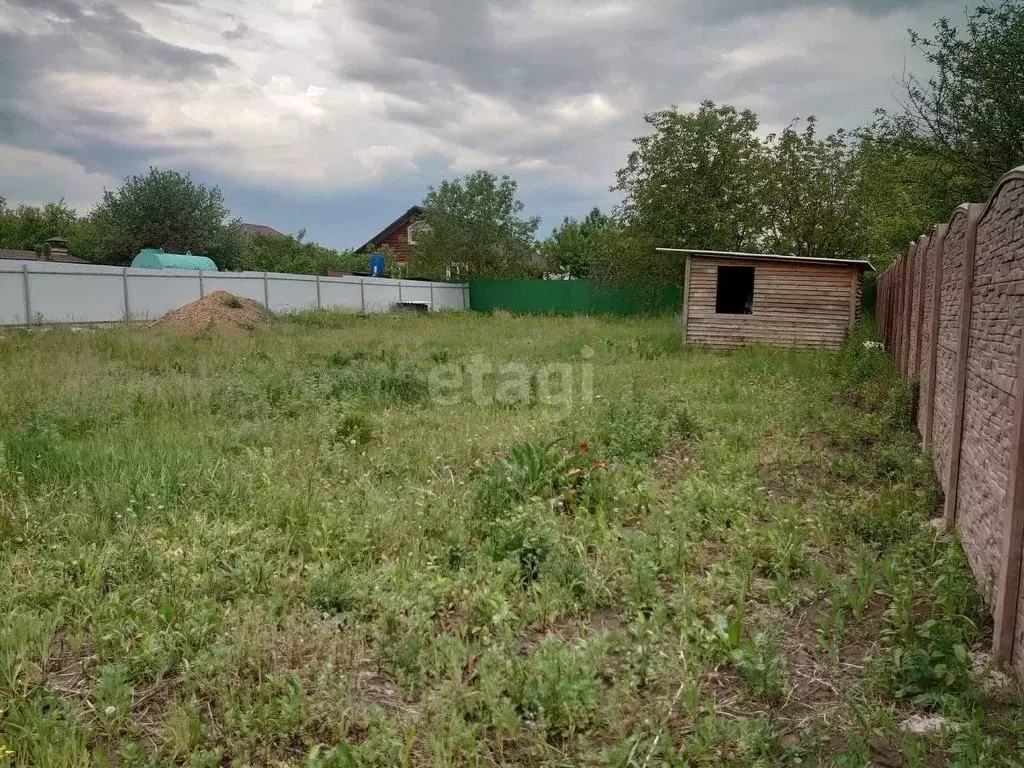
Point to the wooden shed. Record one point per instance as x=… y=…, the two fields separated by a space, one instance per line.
x=734 y=299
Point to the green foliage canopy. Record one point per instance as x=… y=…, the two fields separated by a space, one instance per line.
x=164 y=209
x=477 y=223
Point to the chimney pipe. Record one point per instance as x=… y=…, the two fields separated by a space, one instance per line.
x=58 y=248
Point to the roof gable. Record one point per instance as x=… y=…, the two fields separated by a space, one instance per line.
x=402 y=221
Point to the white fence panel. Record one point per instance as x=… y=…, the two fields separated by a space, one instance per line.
x=87 y=293
x=248 y=285
x=447 y=296
x=379 y=298
x=83 y=297
x=288 y=294
x=153 y=293
x=12 y=298
x=416 y=292
x=341 y=293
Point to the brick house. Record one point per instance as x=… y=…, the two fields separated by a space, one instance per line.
x=399 y=235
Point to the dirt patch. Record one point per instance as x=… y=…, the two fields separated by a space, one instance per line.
x=787 y=478
x=570 y=630
x=673 y=461
x=67 y=667
x=220 y=311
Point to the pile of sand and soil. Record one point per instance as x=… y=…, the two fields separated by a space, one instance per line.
x=220 y=311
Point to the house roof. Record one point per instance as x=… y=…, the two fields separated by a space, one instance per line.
x=66 y=258
x=391 y=228
x=771 y=257
x=7 y=253
x=262 y=230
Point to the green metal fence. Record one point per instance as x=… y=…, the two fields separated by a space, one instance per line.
x=570 y=297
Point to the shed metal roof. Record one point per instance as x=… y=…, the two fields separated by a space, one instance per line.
x=771 y=257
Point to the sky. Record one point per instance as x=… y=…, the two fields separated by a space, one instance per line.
x=337 y=115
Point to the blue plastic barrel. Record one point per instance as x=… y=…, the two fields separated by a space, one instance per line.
x=377 y=264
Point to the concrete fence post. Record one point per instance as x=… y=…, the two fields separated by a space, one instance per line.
x=897 y=314
x=932 y=356
x=431 y=296
x=319 y=305
x=956 y=431
x=28 y=294
x=901 y=305
x=888 y=308
x=362 y=296
x=202 y=285
x=399 y=291
x=896 y=285
x=124 y=285
x=266 y=290
x=908 y=309
x=920 y=265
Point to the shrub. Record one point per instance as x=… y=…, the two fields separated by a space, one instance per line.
x=638 y=428
x=559 y=688
x=332 y=590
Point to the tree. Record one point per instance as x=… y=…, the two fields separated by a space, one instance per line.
x=291 y=254
x=164 y=209
x=693 y=182
x=809 y=194
x=905 y=184
x=228 y=246
x=972 y=105
x=28 y=227
x=571 y=248
x=476 y=221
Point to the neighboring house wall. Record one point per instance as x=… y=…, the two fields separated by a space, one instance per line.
x=795 y=304
x=398 y=241
x=975 y=406
x=396 y=236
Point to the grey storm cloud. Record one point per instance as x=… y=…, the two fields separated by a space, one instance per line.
x=550 y=90
x=85 y=37
x=646 y=56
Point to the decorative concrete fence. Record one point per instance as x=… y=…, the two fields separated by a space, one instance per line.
x=951 y=310
x=49 y=292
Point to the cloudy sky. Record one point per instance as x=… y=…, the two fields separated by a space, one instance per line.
x=337 y=115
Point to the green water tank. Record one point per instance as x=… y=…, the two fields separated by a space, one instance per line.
x=156 y=258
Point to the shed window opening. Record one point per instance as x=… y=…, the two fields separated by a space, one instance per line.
x=735 y=291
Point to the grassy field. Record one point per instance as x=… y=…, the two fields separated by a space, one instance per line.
x=342 y=541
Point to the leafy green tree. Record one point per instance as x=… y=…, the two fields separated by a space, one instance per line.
x=906 y=183
x=163 y=209
x=972 y=103
x=809 y=194
x=571 y=248
x=28 y=227
x=475 y=222
x=228 y=245
x=291 y=254
x=693 y=182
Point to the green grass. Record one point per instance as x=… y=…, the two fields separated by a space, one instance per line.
x=280 y=549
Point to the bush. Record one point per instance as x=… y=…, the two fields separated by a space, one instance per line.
x=559 y=688
x=332 y=590
x=639 y=428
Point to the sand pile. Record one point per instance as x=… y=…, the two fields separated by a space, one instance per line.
x=220 y=311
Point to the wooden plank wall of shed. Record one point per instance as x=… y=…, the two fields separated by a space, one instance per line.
x=800 y=305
